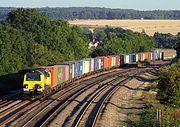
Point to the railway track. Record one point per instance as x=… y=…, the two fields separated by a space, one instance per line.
x=41 y=113
x=8 y=99
x=90 y=112
x=32 y=110
x=90 y=102
x=44 y=117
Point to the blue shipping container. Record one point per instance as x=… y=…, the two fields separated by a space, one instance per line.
x=79 y=68
x=132 y=58
x=96 y=64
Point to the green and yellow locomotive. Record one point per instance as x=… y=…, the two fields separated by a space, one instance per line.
x=36 y=81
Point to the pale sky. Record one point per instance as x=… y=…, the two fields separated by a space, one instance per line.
x=123 y=4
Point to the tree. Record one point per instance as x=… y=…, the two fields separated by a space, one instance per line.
x=177 y=47
x=41 y=56
x=12 y=50
x=79 y=43
x=165 y=40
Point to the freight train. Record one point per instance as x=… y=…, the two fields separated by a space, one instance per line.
x=46 y=79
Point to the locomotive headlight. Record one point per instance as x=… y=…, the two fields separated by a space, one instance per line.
x=38 y=86
x=25 y=86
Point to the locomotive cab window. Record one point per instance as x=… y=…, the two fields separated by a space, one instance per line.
x=33 y=77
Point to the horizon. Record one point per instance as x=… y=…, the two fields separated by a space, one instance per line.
x=140 y=5
x=91 y=7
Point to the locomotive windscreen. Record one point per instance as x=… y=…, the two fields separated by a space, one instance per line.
x=32 y=77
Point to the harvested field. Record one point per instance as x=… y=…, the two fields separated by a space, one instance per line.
x=150 y=26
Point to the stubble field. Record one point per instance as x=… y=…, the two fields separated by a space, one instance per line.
x=149 y=26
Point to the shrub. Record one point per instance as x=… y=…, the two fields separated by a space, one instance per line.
x=169 y=85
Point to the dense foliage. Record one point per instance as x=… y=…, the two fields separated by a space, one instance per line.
x=29 y=38
x=177 y=47
x=100 y=13
x=166 y=40
x=118 y=41
x=169 y=85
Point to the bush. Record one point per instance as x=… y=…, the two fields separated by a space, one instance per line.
x=169 y=85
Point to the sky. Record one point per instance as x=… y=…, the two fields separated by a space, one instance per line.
x=123 y=4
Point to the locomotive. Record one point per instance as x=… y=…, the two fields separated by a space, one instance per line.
x=36 y=81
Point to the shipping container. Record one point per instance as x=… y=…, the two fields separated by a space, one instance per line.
x=148 y=56
x=98 y=63
x=60 y=75
x=79 y=68
x=132 y=58
x=65 y=71
x=151 y=56
x=92 y=65
x=54 y=74
x=86 y=66
x=75 y=68
x=110 y=61
x=106 y=61
x=101 y=63
x=154 y=56
x=113 y=61
x=117 y=60
x=159 y=55
x=71 y=68
x=122 y=59
x=137 y=57
x=142 y=56
x=126 y=58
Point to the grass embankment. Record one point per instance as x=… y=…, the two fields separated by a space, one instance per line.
x=154 y=114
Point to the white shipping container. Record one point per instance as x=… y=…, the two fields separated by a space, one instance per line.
x=151 y=56
x=92 y=65
x=137 y=58
x=99 y=67
x=144 y=56
x=73 y=71
x=86 y=65
x=126 y=59
x=113 y=61
x=160 y=55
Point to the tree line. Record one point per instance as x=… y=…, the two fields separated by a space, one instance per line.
x=99 y=13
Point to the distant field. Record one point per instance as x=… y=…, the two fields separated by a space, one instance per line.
x=150 y=26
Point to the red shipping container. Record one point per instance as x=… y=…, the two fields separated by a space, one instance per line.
x=110 y=61
x=106 y=63
x=54 y=76
x=67 y=72
x=117 y=60
x=148 y=56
